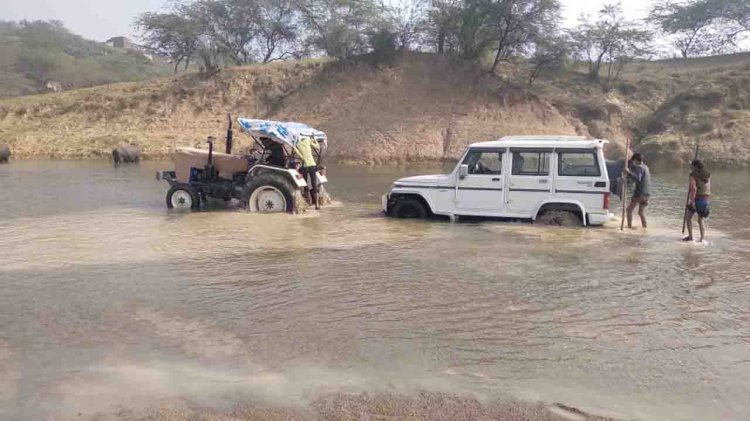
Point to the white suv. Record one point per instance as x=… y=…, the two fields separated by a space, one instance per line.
x=517 y=177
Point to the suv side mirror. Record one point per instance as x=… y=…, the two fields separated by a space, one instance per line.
x=463 y=171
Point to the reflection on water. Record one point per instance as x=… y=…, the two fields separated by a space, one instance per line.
x=110 y=303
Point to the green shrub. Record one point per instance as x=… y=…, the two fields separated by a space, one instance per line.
x=33 y=53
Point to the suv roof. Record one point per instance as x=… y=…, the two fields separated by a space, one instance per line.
x=572 y=142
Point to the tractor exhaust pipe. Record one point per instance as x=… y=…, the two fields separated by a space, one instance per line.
x=230 y=134
x=210 y=170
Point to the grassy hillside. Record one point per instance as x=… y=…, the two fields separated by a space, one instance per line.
x=419 y=107
x=33 y=53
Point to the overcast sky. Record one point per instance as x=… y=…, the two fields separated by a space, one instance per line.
x=102 y=19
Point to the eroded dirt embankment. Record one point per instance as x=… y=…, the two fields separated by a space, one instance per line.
x=417 y=107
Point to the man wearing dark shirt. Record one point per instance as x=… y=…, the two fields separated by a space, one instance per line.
x=642 y=191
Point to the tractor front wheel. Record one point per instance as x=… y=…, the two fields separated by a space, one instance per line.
x=183 y=197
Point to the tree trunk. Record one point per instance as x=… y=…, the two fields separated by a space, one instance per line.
x=500 y=46
x=441 y=42
x=497 y=60
x=269 y=52
x=596 y=67
x=534 y=74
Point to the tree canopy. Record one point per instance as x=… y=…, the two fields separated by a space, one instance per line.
x=700 y=27
x=227 y=32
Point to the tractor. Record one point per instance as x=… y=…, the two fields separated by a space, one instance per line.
x=266 y=180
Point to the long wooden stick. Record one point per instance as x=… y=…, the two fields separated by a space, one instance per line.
x=687 y=199
x=625 y=184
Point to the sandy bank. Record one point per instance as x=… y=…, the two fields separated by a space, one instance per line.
x=420 y=107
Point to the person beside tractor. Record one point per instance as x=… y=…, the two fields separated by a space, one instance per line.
x=309 y=168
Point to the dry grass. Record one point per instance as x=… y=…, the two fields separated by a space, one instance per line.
x=420 y=107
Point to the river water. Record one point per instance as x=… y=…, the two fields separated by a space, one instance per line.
x=110 y=304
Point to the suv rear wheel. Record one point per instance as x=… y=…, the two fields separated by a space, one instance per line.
x=560 y=218
x=268 y=193
x=409 y=209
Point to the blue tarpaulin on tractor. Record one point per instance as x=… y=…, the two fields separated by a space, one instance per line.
x=287 y=133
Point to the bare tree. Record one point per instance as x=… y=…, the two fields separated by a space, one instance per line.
x=227 y=26
x=516 y=23
x=690 y=25
x=277 y=30
x=610 y=41
x=549 y=53
x=475 y=35
x=409 y=20
x=734 y=19
x=443 y=23
x=701 y=27
x=169 y=34
x=340 y=27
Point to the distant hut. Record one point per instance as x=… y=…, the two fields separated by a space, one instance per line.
x=124 y=43
x=120 y=42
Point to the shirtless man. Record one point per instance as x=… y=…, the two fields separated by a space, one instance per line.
x=699 y=198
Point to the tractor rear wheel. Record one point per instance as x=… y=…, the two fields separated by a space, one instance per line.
x=268 y=193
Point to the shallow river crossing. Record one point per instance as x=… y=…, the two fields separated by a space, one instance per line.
x=108 y=302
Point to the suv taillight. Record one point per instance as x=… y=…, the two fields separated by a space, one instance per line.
x=606 y=200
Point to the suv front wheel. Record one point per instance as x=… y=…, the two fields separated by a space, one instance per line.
x=409 y=209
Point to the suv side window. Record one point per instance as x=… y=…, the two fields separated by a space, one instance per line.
x=578 y=164
x=531 y=163
x=484 y=162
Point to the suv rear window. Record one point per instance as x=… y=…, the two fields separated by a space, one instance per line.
x=578 y=164
x=531 y=163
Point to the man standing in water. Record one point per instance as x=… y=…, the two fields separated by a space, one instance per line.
x=699 y=198
x=642 y=191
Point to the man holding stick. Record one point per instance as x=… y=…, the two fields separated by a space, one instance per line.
x=699 y=198
x=642 y=191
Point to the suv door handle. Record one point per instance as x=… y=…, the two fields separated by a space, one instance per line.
x=495 y=179
x=543 y=181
